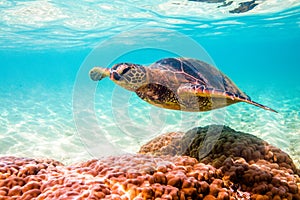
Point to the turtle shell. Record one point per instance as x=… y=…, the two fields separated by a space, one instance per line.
x=174 y=72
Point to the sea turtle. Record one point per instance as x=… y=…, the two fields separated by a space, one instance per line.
x=177 y=83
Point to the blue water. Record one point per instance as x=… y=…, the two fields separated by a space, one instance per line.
x=50 y=108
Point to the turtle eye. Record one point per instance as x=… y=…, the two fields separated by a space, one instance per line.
x=116 y=76
x=125 y=70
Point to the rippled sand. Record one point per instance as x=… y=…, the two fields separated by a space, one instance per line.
x=38 y=122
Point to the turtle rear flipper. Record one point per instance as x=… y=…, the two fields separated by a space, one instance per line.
x=259 y=105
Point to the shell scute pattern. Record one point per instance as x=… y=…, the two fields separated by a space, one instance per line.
x=183 y=70
x=232 y=90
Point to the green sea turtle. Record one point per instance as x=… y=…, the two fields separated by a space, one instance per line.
x=177 y=83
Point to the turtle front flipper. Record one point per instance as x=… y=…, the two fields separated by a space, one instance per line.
x=158 y=95
x=209 y=98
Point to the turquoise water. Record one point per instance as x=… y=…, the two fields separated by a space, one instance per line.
x=50 y=107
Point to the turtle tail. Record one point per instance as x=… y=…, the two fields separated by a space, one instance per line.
x=260 y=105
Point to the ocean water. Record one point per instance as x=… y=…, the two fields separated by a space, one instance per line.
x=50 y=108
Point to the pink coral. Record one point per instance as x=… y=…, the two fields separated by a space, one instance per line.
x=165 y=140
x=22 y=177
x=123 y=177
x=147 y=177
x=249 y=165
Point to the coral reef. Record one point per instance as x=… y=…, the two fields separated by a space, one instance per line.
x=123 y=177
x=247 y=162
x=22 y=177
x=213 y=144
x=166 y=140
x=227 y=170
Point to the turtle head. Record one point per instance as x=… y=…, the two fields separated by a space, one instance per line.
x=129 y=76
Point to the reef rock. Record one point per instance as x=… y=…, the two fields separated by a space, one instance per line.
x=21 y=178
x=248 y=163
x=122 y=177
